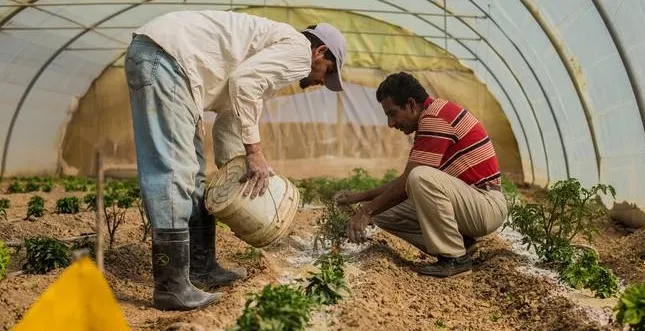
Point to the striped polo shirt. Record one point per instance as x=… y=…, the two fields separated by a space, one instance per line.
x=452 y=140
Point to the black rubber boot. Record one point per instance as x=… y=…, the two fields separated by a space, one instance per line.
x=205 y=272
x=448 y=267
x=170 y=265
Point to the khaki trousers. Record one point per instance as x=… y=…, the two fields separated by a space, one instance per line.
x=440 y=209
x=227 y=138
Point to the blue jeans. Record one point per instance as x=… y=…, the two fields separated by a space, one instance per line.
x=170 y=158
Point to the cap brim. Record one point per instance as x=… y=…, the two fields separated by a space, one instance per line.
x=334 y=81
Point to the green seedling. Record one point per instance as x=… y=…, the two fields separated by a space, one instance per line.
x=90 y=201
x=275 y=308
x=585 y=272
x=4 y=206
x=16 y=187
x=45 y=254
x=116 y=204
x=36 y=207
x=68 y=205
x=631 y=308
x=5 y=258
x=32 y=186
x=332 y=227
x=328 y=286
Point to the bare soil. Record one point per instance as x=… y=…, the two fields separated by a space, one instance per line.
x=386 y=293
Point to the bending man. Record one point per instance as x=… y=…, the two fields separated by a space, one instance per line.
x=450 y=191
x=178 y=66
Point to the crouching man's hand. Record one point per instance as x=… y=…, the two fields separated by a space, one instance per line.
x=258 y=172
x=357 y=224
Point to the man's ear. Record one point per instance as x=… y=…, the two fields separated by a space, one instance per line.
x=412 y=103
x=320 y=50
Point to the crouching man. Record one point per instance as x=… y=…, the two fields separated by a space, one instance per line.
x=449 y=193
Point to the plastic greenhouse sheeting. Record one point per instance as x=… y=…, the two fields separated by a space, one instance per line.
x=568 y=75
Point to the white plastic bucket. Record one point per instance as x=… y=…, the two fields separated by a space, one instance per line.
x=258 y=222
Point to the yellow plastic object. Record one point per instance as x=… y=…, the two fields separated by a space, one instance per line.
x=79 y=300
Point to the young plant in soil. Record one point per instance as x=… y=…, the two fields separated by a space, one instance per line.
x=4 y=205
x=36 y=207
x=275 y=308
x=68 y=205
x=115 y=207
x=16 y=187
x=631 y=308
x=328 y=286
x=585 y=272
x=45 y=254
x=569 y=210
x=90 y=201
x=32 y=185
x=332 y=227
x=5 y=257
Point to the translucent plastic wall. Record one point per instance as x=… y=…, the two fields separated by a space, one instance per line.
x=569 y=75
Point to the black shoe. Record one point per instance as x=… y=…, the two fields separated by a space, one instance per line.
x=205 y=272
x=448 y=267
x=170 y=265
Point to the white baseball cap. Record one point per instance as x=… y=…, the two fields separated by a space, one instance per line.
x=334 y=40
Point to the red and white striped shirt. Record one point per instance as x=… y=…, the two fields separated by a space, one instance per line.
x=452 y=140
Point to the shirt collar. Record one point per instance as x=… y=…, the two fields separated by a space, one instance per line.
x=427 y=103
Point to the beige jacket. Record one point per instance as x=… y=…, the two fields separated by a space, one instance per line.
x=232 y=60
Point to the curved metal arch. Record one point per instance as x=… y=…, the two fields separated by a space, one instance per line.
x=40 y=72
x=539 y=82
x=623 y=58
x=559 y=48
x=528 y=100
x=492 y=75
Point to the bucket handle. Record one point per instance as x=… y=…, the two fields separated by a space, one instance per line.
x=277 y=214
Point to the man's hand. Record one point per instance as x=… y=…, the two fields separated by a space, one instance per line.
x=344 y=197
x=258 y=172
x=356 y=225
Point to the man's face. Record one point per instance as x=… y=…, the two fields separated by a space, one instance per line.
x=403 y=118
x=320 y=68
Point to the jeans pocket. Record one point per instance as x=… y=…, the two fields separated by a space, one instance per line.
x=140 y=66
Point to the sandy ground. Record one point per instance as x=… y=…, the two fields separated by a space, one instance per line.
x=386 y=293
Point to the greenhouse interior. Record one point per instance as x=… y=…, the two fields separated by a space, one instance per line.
x=557 y=86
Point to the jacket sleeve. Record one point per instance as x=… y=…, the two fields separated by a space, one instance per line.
x=277 y=65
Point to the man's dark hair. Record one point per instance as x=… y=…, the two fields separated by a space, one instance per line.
x=316 y=42
x=399 y=87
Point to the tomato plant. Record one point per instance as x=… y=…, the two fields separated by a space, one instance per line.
x=36 y=206
x=275 y=308
x=45 y=254
x=569 y=210
x=328 y=286
x=68 y=205
x=631 y=307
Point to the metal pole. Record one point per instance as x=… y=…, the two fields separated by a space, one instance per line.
x=249 y=5
x=560 y=49
x=640 y=99
x=367 y=33
x=99 y=210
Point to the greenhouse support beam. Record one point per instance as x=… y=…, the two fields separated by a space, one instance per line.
x=385 y=34
x=560 y=49
x=620 y=47
x=496 y=80
x=519 y=83
x=539 y=82
x=33 y=81
x=91 y=49
x=232 y=3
